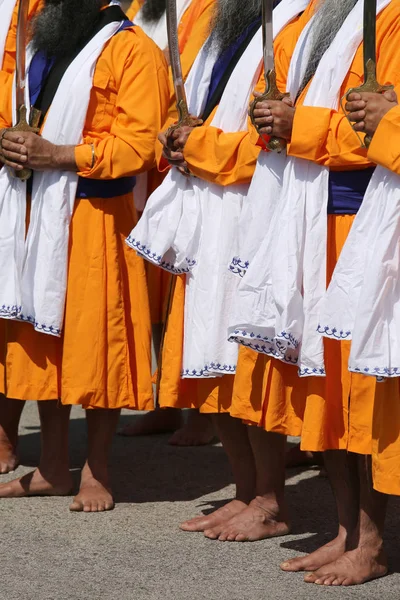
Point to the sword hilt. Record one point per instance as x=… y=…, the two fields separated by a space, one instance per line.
x=185 y=119
x=272 y=92
x=23 y=126
x=370 y=85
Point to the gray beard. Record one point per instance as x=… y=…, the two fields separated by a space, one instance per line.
x=231 y=18
x=153 y=10
x=329 y=18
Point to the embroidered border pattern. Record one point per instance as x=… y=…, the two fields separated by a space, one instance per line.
x=153 y=257
x=269 y=350
x=14 y=313
x=333 y=332
x=209 y=370
x=307 y=372
x=239 y=267
x=380 y=372
x=294 y=342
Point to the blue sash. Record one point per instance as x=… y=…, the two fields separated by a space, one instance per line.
x=347 y=190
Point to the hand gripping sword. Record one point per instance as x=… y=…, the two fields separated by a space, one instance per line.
x=20 y=83
x=371 y=83
x=184 y=118
x=271 y=90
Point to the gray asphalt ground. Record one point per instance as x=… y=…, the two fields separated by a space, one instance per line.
x=137 y=551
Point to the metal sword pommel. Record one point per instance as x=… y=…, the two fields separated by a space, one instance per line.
x=272 y=92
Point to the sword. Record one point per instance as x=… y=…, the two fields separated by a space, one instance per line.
x=371 y=83
x=184 y=118
x=20 y=83
x=271 y=90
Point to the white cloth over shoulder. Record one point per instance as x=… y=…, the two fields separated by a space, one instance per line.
x=190 y=225
x=278 y=303
x=362 y=302
x=157 y=30
x=33 y=271
x=6 y=12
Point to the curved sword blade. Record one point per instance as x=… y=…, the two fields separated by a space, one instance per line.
x=174 y=54
x=20 y=70
x=268 y=35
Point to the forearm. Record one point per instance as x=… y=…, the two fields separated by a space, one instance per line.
x=63 y=159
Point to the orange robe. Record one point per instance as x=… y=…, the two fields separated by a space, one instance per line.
x=192 y=32
x=384 y=150
x=339 y=408
x=8 y=66
x=225 y=159
x=134 y=9
x=103 y=357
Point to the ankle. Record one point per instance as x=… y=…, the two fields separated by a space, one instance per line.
x=271 y=505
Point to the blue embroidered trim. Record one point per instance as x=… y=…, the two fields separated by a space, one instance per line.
x=333 y=333
x=265 y=349
x=153 y=257
x=307 y=371
x=10 y=311
x=14 y=312
x=40 y=326
x=209 y=370
x=250 y=334
x=238 y=267
x=378 y=371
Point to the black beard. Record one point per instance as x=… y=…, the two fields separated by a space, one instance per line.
x=153 y=10
x=62 y=26
x=231 y=18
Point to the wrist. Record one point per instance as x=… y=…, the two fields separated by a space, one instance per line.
x=55 y=157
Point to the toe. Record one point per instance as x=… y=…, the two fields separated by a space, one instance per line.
x=76 y=506
x=329 y=579
x=310 y=578
x=211 y=534
x=337 y=581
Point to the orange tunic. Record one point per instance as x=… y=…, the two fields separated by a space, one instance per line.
x=338 y=413
x=8 y=66
x=384 y=150
x=222 y=158
x=103 y=358
x=134 y=9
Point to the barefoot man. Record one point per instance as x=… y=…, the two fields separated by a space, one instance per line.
x=190 y=428
x=338 y=417
x=10 y=412
x=78 y=326
x=198 y=362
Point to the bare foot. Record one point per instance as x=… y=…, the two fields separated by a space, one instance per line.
x=250 y=525
x=352 y=568
x=198 y=431
x=295 y=457
x=36 y=484
x=324 y=555
x=94 y=494
x=8 y=457
x=221 y=515
x=155 y=422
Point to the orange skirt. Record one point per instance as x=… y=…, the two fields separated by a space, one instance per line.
x=103 y=359
x=339 y=408
x=386 y=438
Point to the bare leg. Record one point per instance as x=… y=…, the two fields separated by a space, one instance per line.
x=95 y=493
x=52 y=477
x=198 y=430
x=367 y=560
x=234 y=438
x=266 y=516
x=10 y=414
x=343 y=474
x=161 y=420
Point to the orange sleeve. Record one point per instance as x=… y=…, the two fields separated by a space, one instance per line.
x=134 y=9
x=228 y=158
x=128 y=104
x=11 y=41
x=325 y=136
x=385 y=146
